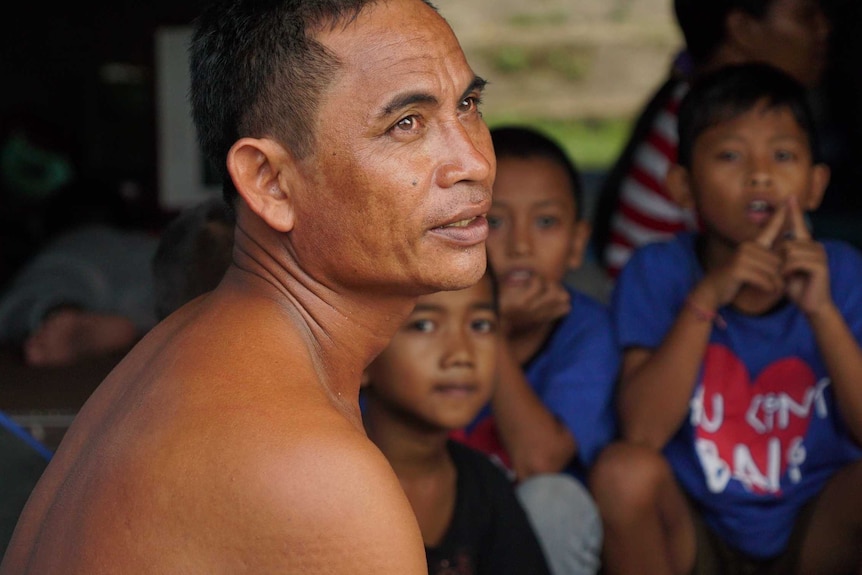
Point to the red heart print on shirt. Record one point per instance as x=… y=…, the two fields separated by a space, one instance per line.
x=753 y=431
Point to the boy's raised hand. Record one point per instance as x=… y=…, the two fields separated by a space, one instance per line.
x=755 y=263
x=804 y=264
x=537 y=301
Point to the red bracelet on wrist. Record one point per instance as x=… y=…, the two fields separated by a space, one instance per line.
x=705 y=314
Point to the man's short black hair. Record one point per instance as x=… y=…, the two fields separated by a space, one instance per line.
x=731 y=91
x=257 y=70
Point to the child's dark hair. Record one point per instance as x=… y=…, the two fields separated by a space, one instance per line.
x=525 y=142
x=731 y=91
x=703 y=23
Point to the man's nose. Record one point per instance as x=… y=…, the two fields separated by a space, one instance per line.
x=470 y=155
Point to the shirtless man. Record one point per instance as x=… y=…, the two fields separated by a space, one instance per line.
x=229 y=439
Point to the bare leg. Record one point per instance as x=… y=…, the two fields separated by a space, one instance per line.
x=68 y=335
x=833 y=543
x=647 y=520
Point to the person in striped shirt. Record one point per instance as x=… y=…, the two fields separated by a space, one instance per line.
x=634 y=207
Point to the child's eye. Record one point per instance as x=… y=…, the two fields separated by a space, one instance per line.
x=545 y=222
x=728 y=155
x=494 y=222
x=784 y=156
x=484 y=325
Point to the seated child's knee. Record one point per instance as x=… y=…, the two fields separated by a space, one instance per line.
x=627 y=474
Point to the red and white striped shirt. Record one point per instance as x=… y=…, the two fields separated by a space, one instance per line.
x=645 y=212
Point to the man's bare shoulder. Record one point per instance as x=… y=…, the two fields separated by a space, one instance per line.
x=284 y=477
x=328 y=500
x=205 y=452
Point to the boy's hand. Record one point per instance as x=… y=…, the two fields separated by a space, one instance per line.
x=755 y=263
x=535 y=302
x=804 y=264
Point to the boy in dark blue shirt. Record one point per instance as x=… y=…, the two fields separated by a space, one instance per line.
x=739 y=400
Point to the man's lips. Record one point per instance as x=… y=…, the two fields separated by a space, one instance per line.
x=460 y=223
x=468 y=231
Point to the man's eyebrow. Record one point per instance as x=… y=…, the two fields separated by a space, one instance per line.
x=477 y=85
x=402 y=101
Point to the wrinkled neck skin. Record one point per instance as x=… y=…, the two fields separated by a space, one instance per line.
x=343 y=330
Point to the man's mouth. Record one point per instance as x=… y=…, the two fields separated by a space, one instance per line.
x=469 y=230
x=459 y=223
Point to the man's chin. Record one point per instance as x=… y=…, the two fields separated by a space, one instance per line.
x=466 y=276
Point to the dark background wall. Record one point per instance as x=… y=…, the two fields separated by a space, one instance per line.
x=85 y=72
x=87 y=67
x=80 y=77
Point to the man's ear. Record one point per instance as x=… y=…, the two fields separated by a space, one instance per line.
x=820 y=175
x=678 y=185
x=580 y=239
x=265 y=175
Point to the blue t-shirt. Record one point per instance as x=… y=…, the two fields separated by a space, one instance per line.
x=574 y=374
x=763 y=434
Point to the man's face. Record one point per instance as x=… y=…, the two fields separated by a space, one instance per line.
x=400 y=178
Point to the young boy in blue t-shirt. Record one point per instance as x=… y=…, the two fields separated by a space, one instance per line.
x=740 y=403
x=552 y=410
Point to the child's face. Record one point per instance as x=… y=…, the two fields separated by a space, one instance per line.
x=743 y=169
x=439 y=367
x=534 y=230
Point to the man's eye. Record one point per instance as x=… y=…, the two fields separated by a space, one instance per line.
x=469 y=104
x=406 y=124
